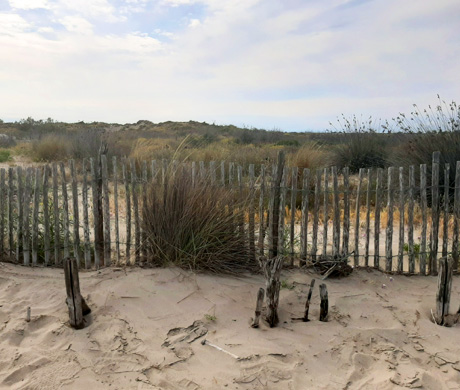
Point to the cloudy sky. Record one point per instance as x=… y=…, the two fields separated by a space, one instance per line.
x=286 y=64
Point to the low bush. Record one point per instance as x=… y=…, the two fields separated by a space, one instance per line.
x=5 y=155
x=191 y=226
x=51 y=148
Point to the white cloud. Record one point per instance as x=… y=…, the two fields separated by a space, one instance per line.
x=77 y=24
x=194 y=23
x=28 y=4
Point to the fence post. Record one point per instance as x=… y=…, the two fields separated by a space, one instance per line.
x=20 y=216
x=26 y=216
x=304 y=220
x=65 y=206
x=76 y=216
x=252 y=248
x=455 y=246
x=97 y=216
x=275 y=207
x=282 y=212
x=115 y=192
x=295 y=172
x=423 y=206
x=314 y=244
x=75 y=303
x=2 y=212
x=378 y=190
x=445 y=236
x=433 y=267
x=401 y=220
x=261 y=209
x=389 y=230
x=35 y=217
x=137 y=235
x=125 y=174
x=346 y=212
x=85 y=216
x=325 y=210
x=357 y=210
x=410 y=238
x=336 y=221
x=10 y=212
x=444 y=289
x=368 y=219
x=56 y=219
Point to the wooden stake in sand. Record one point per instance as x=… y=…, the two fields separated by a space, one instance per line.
x=324 y=309
x=28 y=314
x=272 y=270
x=260 y=301
x=76 y=304
x=307 y=304
x=444 y=289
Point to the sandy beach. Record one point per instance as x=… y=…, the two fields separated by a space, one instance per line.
x=147 y=325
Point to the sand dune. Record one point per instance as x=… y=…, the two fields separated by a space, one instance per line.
x=147 y=325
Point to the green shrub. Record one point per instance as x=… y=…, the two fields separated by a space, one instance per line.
x=5 y=155
x=191 y=226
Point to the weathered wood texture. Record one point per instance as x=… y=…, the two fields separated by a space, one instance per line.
x=444 y=289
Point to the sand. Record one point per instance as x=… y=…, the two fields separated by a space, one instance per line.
x=147 y=325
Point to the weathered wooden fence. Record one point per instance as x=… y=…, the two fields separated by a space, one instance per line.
x=394 y=220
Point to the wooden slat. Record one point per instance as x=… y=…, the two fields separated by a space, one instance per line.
x=106 y=205
x=20 y=215
x=423 y=206
x=126 y=181
x=46 y=216
x=144 y=205
x=2 y=212
x=240 y=198
x=336 y=213
x=261 y=240
x=389 y=229
x=282 y=212
x=86 y=233
x=346 y=212
x=401 y=220
x=455 y=233
x=410 y=233
x=96 y=215
x=222 y=173
x=368 y=218
x=212 y=171
x=56 y=217
x=35 y=217
x=357 y=216
x=137 y=234
x=26 y=217
x=274 y=233
x=314 y=243
x=251 y=227
x=11 y=190
x=304 y=217
x=445 y=235
x=295 y=172
x=378 y=191
x=65 y=209
x=76 y=214
x=115 y=199
x=434 y=236
x=325 y=210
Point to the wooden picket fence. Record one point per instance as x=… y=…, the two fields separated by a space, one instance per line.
x=383 y=219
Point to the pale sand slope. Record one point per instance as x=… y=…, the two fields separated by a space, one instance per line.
x=377 y=338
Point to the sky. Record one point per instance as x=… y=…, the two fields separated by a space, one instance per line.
x=292 y=65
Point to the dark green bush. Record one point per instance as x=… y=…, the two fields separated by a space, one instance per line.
x=191 y=226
